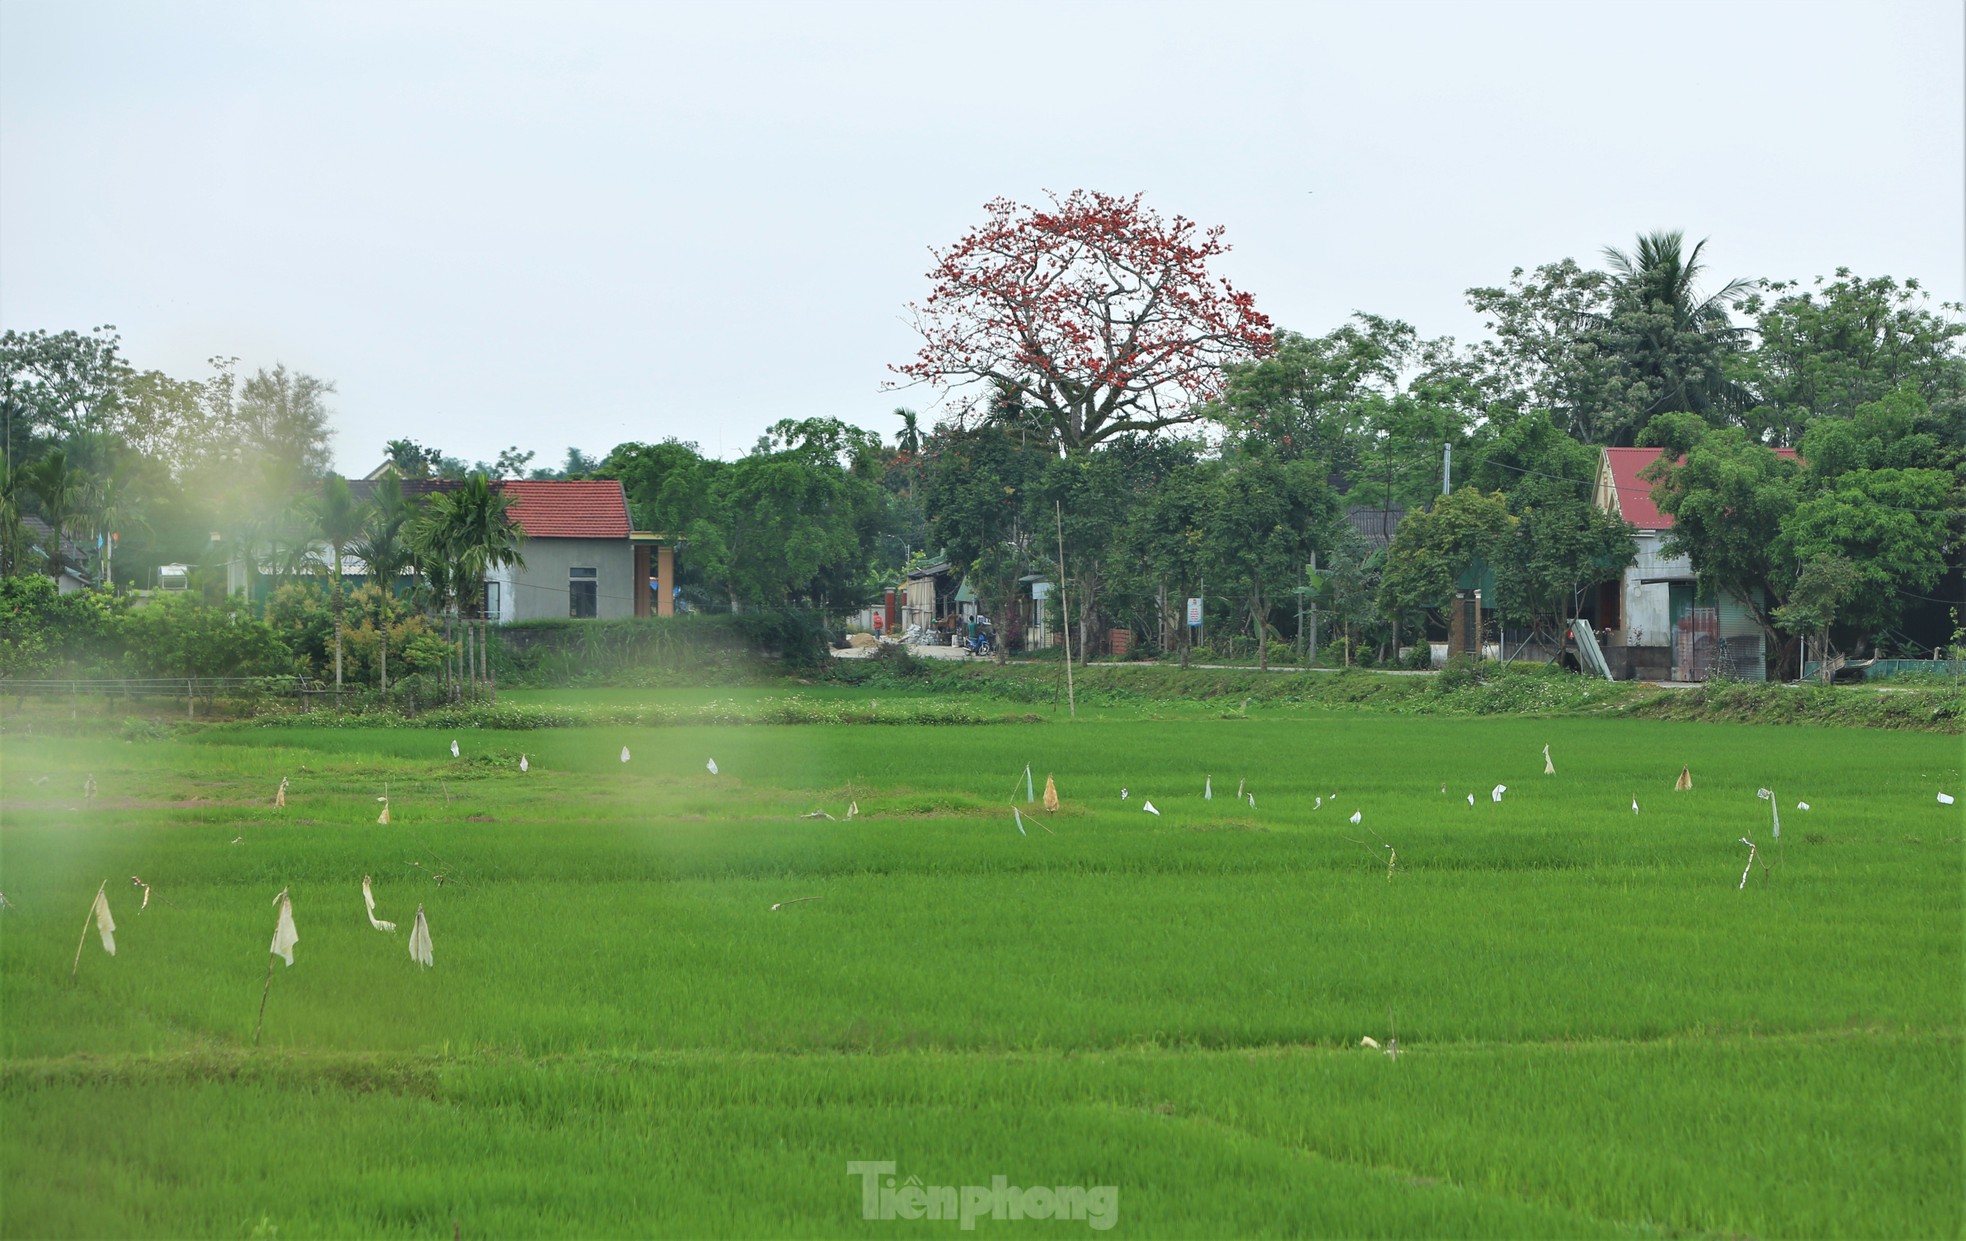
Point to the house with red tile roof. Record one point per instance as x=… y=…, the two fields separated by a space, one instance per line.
x=1660 y=625
x=579 y=559
x=583 y=558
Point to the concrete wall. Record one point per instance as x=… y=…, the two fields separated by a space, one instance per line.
x=539 y=590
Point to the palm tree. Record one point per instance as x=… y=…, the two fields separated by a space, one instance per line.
x=1669 y=337
x=909 y=438
x=385 y=551
x=58 y=486
x=908 y=443
x=337 y=518
x=13 y=528
x=470 y=528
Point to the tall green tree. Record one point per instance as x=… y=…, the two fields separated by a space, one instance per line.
x=1728 y=497
x=1312 y=396
x=14 y=538
x=977 y=490
x=470 y=529
x=385 y=550
x=57 y=488
x=1165 y=538
x=795 y=522
x=1264 y=520
x=283 y=427
x=667 y=484
x=1562 y=544
x=1835 y=345
x=1432 y=550
x=337 y=519
x=1606 y=352
x=1674 y=344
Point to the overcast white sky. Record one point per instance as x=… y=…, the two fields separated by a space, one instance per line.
x=577 y=223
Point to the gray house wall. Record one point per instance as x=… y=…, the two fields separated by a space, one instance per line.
x=539 y=590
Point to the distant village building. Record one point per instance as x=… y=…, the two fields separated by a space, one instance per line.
x=583 y=559
x=74 y=575
x=1660 y=625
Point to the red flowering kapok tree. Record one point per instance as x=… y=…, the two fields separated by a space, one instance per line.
x=1099 y=314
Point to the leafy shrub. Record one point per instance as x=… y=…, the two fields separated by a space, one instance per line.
x=46 y=633
x=180 y=636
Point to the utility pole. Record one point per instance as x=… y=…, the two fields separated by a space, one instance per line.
x=1446 y=464
x=1311 y=659
x=1064 y=613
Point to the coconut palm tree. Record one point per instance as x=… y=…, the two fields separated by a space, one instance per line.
x=1672 y=342
x=909 y=438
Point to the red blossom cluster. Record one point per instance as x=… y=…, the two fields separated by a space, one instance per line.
x=1096 y=312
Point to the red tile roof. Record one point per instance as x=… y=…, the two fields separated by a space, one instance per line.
x=559 y=509
x=1633 y=495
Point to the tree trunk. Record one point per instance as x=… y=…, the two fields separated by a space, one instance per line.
x=1259 y=617
x=337 y=625
x=484 y=654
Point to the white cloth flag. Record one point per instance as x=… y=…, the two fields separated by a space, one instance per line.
x=1945 y=799
x=105 y=925
x=284 y=934
x=1358 y=816
x=524 y=766
x=1549 y=768
x=1495 y=793
x=1020 y=821
x=624 y=753
x=1774 y=808
x=454 y=749
x=1208 y=788
x=712 y=765
x=368 y=898
x=1149 y=808
x=420 y=940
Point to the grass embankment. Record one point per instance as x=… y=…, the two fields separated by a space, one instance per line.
x=1603 y=1034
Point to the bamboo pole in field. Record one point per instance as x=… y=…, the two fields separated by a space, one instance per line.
x=100 y=894
x=263 y=993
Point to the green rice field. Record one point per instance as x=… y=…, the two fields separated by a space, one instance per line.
x=671 y=1002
